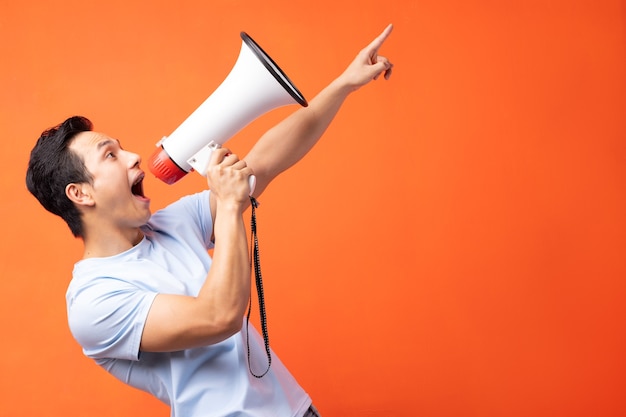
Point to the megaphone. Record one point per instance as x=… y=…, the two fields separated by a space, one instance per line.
x=255 y=85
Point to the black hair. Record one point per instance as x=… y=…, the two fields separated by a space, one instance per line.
x=53 y=165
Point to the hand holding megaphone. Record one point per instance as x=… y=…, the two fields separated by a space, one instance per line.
x=254 y=86
x=200 y=162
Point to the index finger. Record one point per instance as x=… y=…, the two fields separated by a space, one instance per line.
x=380 y=39
x=218 y=154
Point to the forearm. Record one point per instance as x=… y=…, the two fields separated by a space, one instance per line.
x=226 y=291
x=286 y=143
x=223 y=298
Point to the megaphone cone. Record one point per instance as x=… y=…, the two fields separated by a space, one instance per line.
x=255 y=85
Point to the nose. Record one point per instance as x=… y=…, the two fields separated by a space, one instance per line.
x=134 y=160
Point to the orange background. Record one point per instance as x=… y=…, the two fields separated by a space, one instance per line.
x=455 y=246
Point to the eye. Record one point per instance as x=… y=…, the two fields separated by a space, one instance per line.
x=110 y=155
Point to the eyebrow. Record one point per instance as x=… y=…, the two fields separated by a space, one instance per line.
x=107 y=142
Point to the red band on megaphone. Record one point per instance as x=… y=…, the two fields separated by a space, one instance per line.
x=164 y=168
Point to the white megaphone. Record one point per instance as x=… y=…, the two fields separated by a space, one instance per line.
x=254 y=86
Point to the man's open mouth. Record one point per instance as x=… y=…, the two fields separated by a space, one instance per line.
x=137 y=188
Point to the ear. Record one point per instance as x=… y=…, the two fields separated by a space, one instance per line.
x=79 y=194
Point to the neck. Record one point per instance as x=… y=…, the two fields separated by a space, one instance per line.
x=105 y=242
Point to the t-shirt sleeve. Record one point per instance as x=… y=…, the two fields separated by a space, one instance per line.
x=107 y=318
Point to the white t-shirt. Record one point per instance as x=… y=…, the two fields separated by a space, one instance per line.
x=108 y=301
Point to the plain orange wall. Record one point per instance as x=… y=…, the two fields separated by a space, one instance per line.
x=455 y=246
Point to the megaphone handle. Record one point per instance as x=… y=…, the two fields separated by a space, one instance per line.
x=252 y=183
x=200 y=162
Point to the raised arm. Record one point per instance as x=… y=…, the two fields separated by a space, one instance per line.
x=286 y=143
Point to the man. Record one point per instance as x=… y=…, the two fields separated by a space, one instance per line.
x=147 y=302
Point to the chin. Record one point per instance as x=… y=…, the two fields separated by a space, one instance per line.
x=147 y=217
